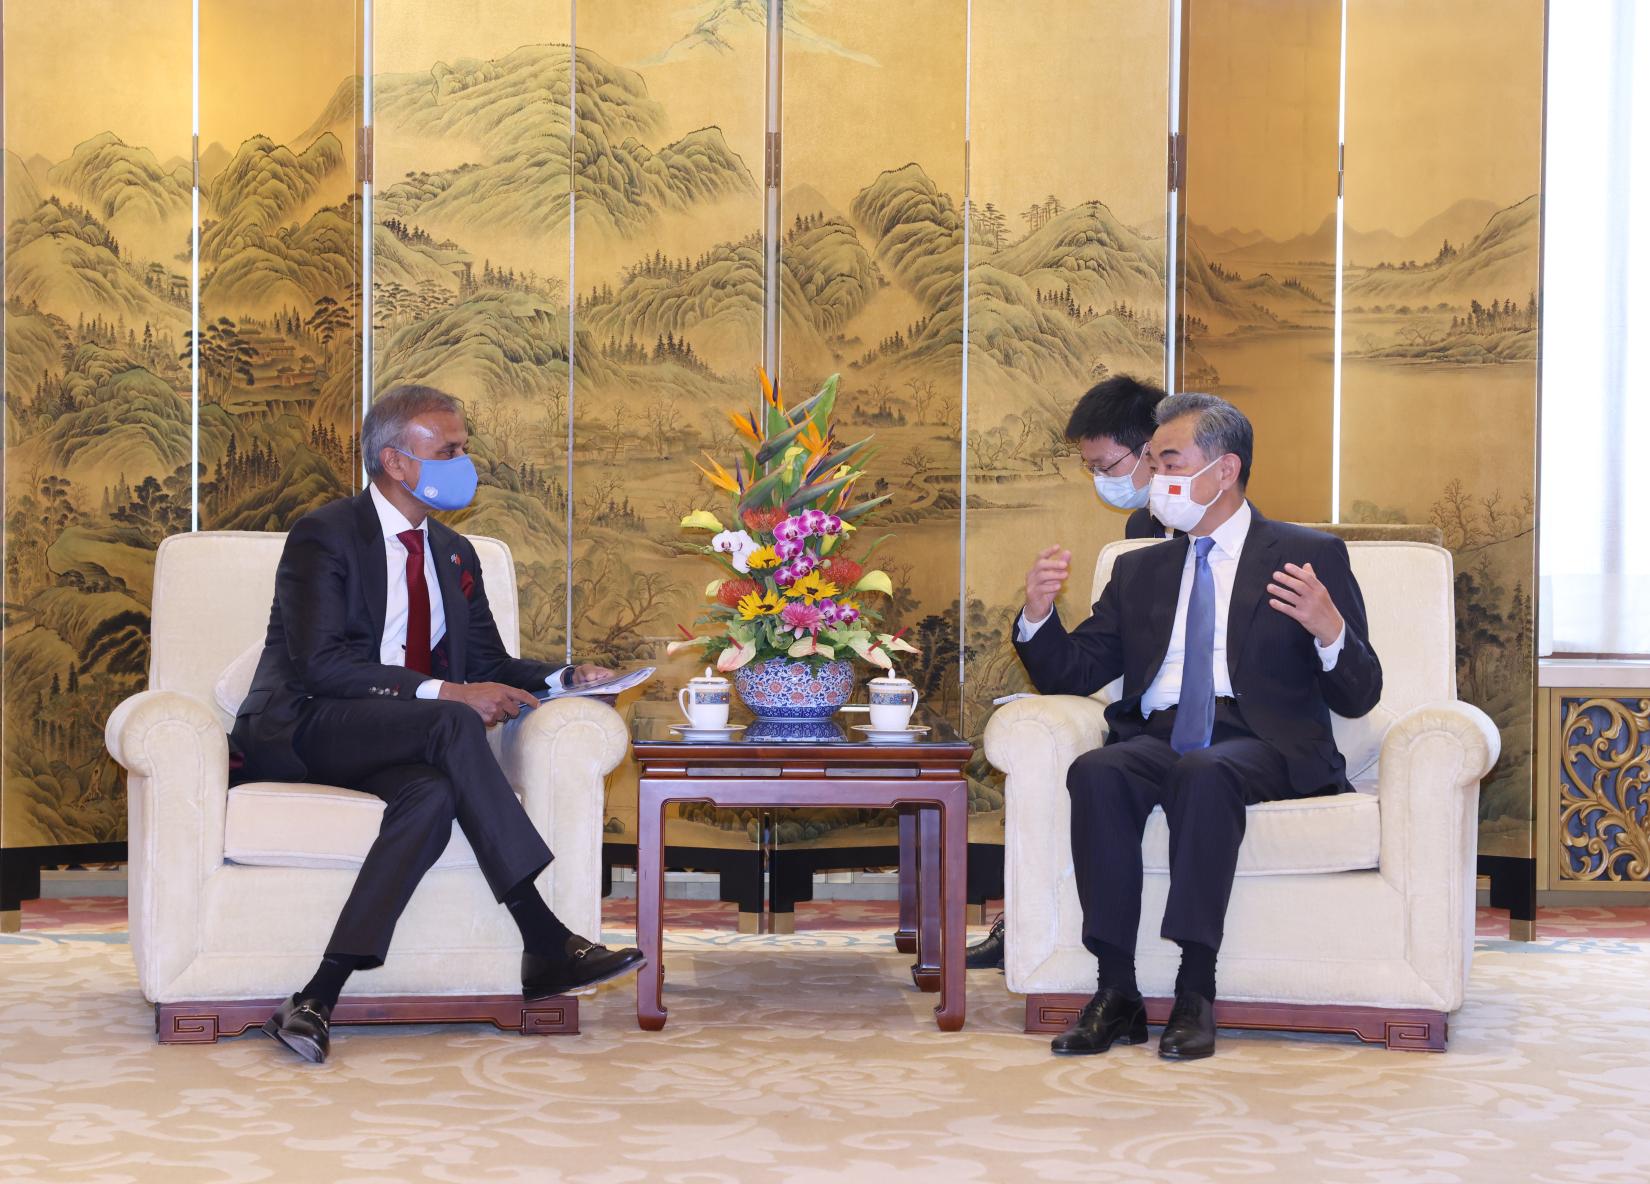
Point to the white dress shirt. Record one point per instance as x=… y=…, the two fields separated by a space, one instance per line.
x=392 y=650
x=1164 y=690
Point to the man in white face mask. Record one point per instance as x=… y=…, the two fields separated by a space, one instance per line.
x=1234 y=643
x=1111 y=426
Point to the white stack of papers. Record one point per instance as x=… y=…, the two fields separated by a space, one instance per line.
x=619 y=683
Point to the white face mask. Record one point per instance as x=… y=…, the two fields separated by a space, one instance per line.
x=1120 y=491
x=1171 y=500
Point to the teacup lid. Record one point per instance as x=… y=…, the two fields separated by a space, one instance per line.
x=895 y=679
x=707 y=676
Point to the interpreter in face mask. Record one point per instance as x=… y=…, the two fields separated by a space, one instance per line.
x=1234 y=641
x=1111 y=427
x=381 y=671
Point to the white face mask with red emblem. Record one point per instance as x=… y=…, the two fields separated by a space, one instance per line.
x=1171 y=500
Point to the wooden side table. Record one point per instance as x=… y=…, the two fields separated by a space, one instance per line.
x=923 y=778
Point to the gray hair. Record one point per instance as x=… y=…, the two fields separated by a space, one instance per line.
x=1220 y=428
x=385 y=425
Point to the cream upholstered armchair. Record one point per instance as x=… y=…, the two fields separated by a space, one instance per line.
x=1351 y=913
x=234 y=891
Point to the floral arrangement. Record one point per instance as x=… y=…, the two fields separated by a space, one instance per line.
x=790 y=588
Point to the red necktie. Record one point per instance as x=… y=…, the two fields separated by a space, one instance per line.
x=418 y=603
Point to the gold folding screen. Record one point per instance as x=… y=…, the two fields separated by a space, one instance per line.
x=280 y=260
x=1443 y=178
x=97 y=415
x=1258 y=281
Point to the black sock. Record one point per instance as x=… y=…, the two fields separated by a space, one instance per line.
x=1117 y=970
x=542 y=932
x=1197 y=970
x=330 y=977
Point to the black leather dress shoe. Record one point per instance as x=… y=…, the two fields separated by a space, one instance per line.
x=301 y=1025
x=585 y=965
x=988 y=953
x=1190 y=1033
x=1109 y=1017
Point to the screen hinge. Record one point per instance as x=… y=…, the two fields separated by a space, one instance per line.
x=1340 y=172
x=195 y=158
x=770 y=165
x=363 y=155
x=1177 y=162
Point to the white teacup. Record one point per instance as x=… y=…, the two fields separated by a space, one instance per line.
x=704 y=701
x=893 y=699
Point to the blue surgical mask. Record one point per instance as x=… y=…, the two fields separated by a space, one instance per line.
x=443 y=484
x=1120 y=491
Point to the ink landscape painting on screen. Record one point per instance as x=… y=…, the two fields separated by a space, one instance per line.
x=98 y=432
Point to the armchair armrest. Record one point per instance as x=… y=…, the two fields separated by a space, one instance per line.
x=557 y=757
x=1054 y=727
x=1034 y=742
x=1432 y=761
x=176 y=756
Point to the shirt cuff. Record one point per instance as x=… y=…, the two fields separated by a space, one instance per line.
x=430 y=688
x=1329 y=654
x=557 y=680
x=1025 y=630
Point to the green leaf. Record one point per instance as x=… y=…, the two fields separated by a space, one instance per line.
x=809 y=494
x=775 y=445
x=862 y=508
x=761 y=493
x=869 y=550
x=841 y=455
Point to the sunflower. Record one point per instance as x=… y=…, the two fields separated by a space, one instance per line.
x=762 y=558
x=759 y=604
x=812 y=587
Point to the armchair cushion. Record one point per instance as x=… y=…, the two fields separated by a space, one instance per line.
x=1295 y=836
x=293 y=824
x=236 y=680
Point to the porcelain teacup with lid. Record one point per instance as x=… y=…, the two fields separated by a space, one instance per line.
x=704 y=701
x=893 y=699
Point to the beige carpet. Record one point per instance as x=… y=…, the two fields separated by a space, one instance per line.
x=810 y=1059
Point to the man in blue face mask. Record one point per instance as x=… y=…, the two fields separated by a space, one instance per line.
x=381 y=671
x=1111 y=426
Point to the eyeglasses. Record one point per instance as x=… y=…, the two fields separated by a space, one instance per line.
x=1095 y=469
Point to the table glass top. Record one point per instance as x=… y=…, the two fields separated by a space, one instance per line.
x=661 y=724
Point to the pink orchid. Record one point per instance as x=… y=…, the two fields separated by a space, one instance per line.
x=813 y=521
x=789 y=530
x=784 y=577
x=803 y=564
x=833 y=524
x=787 y=549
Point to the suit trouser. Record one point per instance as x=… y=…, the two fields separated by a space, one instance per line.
x=1203 y=795
x=430 y=762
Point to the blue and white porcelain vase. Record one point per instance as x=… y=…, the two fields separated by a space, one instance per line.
x=795 y=688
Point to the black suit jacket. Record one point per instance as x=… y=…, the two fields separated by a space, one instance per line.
x=1141 y=525
x=327 y=625
x=1283 y=693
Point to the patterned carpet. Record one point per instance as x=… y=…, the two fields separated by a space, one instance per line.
x=809 y=1058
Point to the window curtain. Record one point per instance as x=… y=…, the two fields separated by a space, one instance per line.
x=1595 y=369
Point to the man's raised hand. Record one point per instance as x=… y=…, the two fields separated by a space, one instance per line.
x=493 y=701
x=1044 y=581
x=1297 y=593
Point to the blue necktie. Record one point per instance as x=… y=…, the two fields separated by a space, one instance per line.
x=1194 y=722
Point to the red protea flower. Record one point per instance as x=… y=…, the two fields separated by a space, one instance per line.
x=731 y=592
x=763 y=518
x=842 y=572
